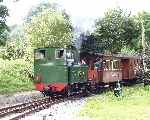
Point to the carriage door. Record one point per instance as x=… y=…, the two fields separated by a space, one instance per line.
x=125 y=69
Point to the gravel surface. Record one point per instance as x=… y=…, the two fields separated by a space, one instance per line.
x=17 y=98
x=68 y=110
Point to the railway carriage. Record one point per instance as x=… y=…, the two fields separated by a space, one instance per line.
x=106 y=69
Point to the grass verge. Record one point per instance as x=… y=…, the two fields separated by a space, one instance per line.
x=134 y=105
x=13 y=77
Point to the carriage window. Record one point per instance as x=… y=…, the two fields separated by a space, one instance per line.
x=40 y=54
x=115 y=64
x=59 y=54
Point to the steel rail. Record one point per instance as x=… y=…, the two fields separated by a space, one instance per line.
x=19 y=107
x=26 y=109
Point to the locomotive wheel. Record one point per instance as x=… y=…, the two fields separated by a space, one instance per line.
x=68 y=91
x=85 y=91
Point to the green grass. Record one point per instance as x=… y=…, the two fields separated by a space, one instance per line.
x=134 y=105
x=13 y=77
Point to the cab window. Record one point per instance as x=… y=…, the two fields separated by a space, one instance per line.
x=40 y=54
x=59 y=53
x=69 y=55
x=98 y=64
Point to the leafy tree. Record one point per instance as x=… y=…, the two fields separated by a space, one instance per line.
x=35 y=10
x=17 y=35
x=115 y=30
x=146 y=68
x=145 y=18
x=16 y=43
x=44 y=6
x=3 y=26
x=49 y=29
x=88 y=42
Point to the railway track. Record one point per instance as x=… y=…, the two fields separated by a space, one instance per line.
x=19 y=111
x=25 y=108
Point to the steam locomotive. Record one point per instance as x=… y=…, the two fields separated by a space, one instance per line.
x=65 y=71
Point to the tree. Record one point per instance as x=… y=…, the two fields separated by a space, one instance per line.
x=3 y=26
x=115 y=30
x=35 y=10
x=146 y=67
x=144 y=19
x=16 y=43
x=49 y=29
x=88 y=42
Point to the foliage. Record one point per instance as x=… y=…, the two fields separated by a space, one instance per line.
x=126 y=50
x=146 y=72
x=12 y=52
x=17 y=34
x=116 y=30
x=16 y=43
x=88 y=43
x=3 y=26
x=2 y=51
x=35 y=10
x=145 y=18
x=134 y=105
x=147 y=57
x=49 y=29
x=13 y=76
x=18 y=47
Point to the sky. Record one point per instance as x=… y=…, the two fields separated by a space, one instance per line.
x=83 y=12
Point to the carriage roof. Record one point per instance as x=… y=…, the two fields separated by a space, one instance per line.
x=122 y=56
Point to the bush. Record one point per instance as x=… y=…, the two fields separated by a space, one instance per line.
x=14 y=75
x=12 y=52
x=2 y=51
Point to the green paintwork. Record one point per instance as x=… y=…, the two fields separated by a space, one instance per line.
x=50 y=57
x=78 y=73
x=55 y=70
x=54 y=74
x=51 y=69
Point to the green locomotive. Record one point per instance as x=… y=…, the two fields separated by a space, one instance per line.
x=57 y=70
